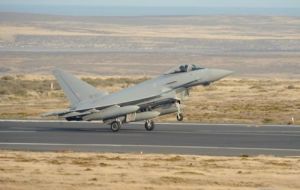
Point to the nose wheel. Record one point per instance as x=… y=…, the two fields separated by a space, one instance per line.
x=149 y=125
x=115 y=126
x=179 y=117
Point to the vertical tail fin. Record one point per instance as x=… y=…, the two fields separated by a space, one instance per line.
x=75 y=89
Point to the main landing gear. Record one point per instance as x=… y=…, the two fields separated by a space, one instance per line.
x=149 y=125
x=115 y=126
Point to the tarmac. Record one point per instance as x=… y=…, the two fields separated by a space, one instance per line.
x=167 y=138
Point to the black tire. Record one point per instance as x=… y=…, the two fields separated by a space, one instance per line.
x=115 y=126
x=149 y=125
x=179 y=117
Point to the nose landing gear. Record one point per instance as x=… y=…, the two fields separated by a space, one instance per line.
x=179 y=117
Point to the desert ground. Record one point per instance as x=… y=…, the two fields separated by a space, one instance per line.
x=122 y=46
x=71 y=170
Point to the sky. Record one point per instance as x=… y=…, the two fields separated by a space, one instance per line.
x=163 y=3
x=153 y=7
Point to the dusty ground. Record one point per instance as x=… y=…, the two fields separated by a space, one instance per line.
x=246 y=100
x=231 y=100
x=69 y=170
x=249 y=45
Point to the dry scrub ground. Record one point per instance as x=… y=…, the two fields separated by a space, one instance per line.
x=231 y=100
x=70 y=170
x=246 y=100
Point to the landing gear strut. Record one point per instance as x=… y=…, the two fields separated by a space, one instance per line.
x=115 y=126
x=179 y=116
x=149 y=125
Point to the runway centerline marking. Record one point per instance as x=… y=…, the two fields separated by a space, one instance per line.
x=148 y=146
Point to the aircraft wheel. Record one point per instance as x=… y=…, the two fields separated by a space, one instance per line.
x=115 y=126
x=179 y=117
x=149 y=125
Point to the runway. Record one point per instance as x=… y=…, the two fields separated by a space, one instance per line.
x=170 y=138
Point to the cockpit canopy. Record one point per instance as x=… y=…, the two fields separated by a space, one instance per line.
x=183 y=69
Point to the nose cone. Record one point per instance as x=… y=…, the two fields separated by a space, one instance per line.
x=217 y=74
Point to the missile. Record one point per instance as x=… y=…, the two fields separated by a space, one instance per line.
x=111 y=112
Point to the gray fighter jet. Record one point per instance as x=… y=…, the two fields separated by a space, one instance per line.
x=143 y=102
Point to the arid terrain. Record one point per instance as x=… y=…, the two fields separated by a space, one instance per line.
x=70 y=170
x=249 y=45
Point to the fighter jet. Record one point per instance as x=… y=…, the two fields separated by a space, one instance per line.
x=143 y=102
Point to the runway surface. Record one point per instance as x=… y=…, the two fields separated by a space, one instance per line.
x=177 y=138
